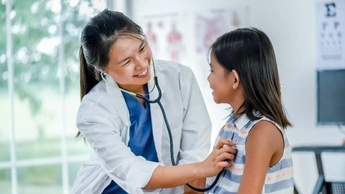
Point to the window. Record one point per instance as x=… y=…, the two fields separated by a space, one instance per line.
x=39 y=93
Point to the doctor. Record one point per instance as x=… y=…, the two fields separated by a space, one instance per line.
x=128 y=134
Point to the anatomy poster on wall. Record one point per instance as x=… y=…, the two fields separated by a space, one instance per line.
x=211 y=24
x=330 y=21
x=164 y=33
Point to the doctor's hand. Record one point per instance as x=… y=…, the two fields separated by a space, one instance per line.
x=218 y=158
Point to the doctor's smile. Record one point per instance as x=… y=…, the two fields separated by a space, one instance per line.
x=143 y=74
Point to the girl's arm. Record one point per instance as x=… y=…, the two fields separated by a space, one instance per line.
x=264 y=148
x=172 y=176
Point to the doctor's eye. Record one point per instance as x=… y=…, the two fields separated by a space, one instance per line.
x=142 y=48
x=126 y=63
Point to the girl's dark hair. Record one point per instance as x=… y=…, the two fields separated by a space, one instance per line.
x=249 y=51
x=97 y=38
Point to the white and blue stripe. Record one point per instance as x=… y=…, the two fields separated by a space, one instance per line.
x=279 y=178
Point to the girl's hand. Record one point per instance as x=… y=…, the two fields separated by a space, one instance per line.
x=218 y=158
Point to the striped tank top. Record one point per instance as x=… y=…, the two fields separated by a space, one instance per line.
x=279 y=178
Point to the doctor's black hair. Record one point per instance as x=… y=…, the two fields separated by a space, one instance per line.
x=250 y=52
x=97 y=38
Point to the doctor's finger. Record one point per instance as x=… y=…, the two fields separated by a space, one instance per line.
x=224 y=142
x=223 y=164
x=225 y=156
x=231 y=150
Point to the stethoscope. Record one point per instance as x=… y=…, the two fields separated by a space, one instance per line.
x=157 y=100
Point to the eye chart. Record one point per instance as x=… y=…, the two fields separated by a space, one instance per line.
x=330 y=21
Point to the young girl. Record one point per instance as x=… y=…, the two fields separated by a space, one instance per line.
x=244 y=74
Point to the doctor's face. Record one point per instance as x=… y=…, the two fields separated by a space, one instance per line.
x=129 y=62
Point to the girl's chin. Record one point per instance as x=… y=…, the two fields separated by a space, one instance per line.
x=215 y=100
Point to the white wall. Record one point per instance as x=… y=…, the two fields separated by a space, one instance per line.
x=291 y=26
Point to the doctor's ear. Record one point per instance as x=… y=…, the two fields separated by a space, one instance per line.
x=100 y=70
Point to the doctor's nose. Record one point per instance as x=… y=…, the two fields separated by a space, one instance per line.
x=141 y=63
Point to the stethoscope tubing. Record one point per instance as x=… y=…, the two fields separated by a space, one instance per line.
x=157 y=100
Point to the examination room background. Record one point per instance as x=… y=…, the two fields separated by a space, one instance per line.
x=39 y=93
x=291 y=25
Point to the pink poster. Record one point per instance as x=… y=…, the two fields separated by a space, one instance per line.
x=213 y=23
x=209 y=25
x=165 y=34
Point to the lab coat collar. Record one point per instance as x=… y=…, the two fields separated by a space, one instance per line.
x=151 y=84
x=157 y=120
x=156 y=115
x=117 y=99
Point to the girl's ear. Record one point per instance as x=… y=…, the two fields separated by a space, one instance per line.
x=236 y=79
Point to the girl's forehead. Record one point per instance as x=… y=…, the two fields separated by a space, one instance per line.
x=213 y=58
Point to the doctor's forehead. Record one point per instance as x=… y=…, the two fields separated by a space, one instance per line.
x=125 y=47
x=126 y=44
x=129 y=42
x=131 y=37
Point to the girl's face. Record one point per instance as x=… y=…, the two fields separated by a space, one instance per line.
x=220 y=82
x=129 y=62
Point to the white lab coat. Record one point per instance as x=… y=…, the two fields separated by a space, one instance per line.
x=103 y=119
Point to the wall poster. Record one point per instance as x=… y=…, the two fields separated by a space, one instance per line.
x=209 y=25
x=165 y=34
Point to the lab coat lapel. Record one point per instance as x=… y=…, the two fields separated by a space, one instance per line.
x=156 y=118
x=118 y=101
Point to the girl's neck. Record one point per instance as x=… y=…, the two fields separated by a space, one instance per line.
x=238 y=108
x=238 y=113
